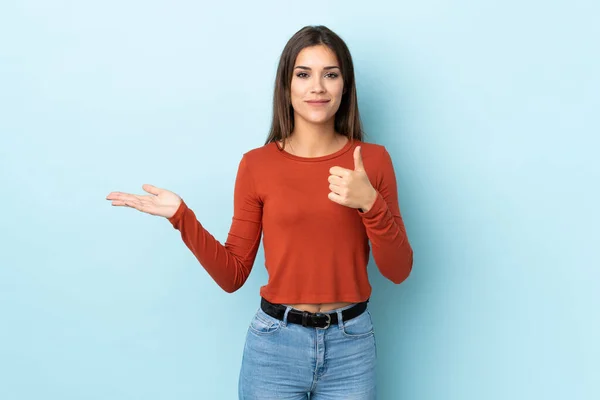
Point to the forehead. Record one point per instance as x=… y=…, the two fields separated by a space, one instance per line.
x=316 y=56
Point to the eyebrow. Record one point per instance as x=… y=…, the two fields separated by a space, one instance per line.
x=308 y=68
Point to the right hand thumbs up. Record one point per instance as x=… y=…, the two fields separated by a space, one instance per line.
x=160 y=202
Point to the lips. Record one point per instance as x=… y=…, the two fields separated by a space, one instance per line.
x=317 y=101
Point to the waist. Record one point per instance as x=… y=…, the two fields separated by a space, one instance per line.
x=308 y=319
x=323 y=307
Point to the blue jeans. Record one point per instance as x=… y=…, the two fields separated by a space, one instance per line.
x=287 y=361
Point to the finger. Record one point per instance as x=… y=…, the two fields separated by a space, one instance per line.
x=336 y=198
x=122 y=196
x=131 y=203
x=336 y=180
x=358 y=162
x=122 y=203
x=113 y=195
x=336 y=189
x=339 y=171
x=151 y=189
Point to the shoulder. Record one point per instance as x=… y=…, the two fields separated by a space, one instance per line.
x=378 y=162
x=372 y=153
x=259 y=154
x=372 y=148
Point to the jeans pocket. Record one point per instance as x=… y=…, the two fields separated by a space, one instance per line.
x=263 y=324
x=358 y=327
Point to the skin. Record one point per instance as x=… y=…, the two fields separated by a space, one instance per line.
x=316 y=76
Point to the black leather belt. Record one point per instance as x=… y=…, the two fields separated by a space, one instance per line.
x=308 y=319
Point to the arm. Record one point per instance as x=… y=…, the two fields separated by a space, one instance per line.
x=392 y=252
x=230 y=264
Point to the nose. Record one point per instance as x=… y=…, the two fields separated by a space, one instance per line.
x=317 y=86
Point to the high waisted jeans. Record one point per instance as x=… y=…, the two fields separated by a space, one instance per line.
x=286 y=361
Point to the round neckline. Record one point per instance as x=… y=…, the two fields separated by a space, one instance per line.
x=335 y=154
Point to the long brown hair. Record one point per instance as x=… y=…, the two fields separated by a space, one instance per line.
x=347 y=118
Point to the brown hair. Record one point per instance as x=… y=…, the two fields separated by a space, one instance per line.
x=347 y=118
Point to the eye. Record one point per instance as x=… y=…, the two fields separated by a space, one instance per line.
x=301 y=74
x=333 y=75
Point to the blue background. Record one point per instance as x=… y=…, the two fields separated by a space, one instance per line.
x=488 y=108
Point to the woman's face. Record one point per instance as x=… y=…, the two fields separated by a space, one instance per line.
x=317 y=85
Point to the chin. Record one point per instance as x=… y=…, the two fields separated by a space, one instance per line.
x=317 y=119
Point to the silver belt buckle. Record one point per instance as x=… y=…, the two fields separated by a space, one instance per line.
x=328 y=320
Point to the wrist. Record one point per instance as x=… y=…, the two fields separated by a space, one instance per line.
x=371 y=200
x=174 y=210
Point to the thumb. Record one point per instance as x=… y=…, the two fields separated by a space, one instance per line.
x=151 y=189
x=358 y=162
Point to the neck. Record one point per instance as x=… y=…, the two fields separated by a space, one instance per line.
x=314 y=140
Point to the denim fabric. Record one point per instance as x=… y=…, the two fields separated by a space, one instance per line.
x=287 y=361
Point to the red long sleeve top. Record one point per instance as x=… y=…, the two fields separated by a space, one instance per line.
x=316 y=250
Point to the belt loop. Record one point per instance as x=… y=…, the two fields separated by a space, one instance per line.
x=285 y=314
x=340 y=319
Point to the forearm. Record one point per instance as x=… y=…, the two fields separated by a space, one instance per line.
x=229 y=265
x=391 y=249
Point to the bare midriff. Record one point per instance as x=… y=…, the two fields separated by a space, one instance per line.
x=314 y=308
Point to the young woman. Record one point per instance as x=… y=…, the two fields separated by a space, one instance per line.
x=318 y=195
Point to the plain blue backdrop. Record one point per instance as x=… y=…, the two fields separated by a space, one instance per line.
x=488 y=108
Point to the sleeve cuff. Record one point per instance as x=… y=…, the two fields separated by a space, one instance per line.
x=378 y=206
x=176 y=218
